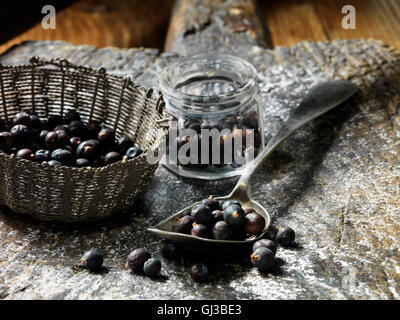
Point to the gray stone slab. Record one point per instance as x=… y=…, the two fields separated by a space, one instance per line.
x=336 y=182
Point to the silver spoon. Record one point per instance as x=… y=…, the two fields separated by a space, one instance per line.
x=319 y=100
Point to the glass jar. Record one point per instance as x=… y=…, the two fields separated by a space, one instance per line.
x=210 y=93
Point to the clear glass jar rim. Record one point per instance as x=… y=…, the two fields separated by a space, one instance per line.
x=169 y=91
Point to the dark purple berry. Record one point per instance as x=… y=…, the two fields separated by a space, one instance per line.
x=75 y=142
x=25 y=154
x=112 y=157
x=184 y=225
x=42 y=155
x=63 y=156
x=200 y=230
x=21 y=118
x=285 y=237
x=42 y=135
x=263 y=259
x=61 y=127
x=251 y=119
x=217 y=215
x=35 y=121
x=92 y=260
x=89 y=149
x=186 y=220
x=106 y=137
x=254 y=223
x=269 y=244
x=211 y=203
x=77 y=129
x=55 y=163
x=51 y=140
x=222 y=231
x=133 y=152
x=201 y=214
x=198 y=272
x=82 y=162
x=124 y=144
x=20 y=134
x=227 y=203
x=152 y=267
x=137 y=258
x=234 y=215
x=63 y=138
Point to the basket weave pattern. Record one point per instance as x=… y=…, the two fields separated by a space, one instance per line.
x=66 y=193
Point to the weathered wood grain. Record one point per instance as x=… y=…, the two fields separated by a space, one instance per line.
x=335 y=182
x=291 y=21
x=375 y=19
x=207 y=24
x=118 y=23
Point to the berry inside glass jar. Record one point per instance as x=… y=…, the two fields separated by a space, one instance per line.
x=217 y=125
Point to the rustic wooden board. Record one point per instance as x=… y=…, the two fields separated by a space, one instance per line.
x=291 y=21
x=335 y=182
x=207 y=25
x=120 y=23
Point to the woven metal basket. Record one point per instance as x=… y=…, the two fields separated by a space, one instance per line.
x=73 y=194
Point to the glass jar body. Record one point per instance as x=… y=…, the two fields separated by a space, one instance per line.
x=217 y=126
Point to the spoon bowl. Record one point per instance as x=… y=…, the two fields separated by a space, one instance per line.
x=163 y=228
x=319 y=100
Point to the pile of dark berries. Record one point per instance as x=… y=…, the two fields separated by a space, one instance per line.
x=263 y=256
x=220 y=220
x=66 y=141
x=237 y=125
x=140 y=261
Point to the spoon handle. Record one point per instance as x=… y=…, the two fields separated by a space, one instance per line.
x=319 y=100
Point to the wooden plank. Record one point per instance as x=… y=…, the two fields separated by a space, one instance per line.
x=224 y=19
x=292 y=21
x=17 y=16
x=119 y=23
x=374 y=19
